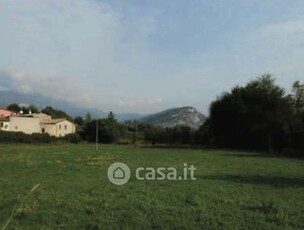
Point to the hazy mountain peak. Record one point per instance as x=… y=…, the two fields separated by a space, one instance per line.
x=187 y=116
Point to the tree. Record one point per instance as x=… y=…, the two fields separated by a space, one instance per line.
x=79 y=120
x=88 y=117
x=26 y=109
x=276 y=113
x=298 y=95
x=296 y=135
x=14 y=108
x=111 y=117
x=251 y=116
x=109 y=130
x=33 y=109
x=55 y=113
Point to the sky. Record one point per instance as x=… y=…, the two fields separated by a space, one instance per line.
x=145 y=56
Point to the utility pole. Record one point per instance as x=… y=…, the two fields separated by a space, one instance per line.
x=135 y=133
x=97 y=135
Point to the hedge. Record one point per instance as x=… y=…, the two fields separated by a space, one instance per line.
x=20 y=137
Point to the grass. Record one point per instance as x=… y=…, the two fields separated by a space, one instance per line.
x=66 y=187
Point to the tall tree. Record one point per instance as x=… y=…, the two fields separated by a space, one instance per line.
x=251 y=116
x=78 y=120
x=109 y=130
x=88 y=117
x=111 y=117
x=298 y=95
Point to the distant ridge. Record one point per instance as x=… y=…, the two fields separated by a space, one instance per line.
x=187 y=116
x=8 y=97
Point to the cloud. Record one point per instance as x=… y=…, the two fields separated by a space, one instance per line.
x=79 y=51
x=58 y=36
x=275 y=48
x=5 y=81
x=280 y=37
x=278 y=47
x=148 y=55
x=76 y=92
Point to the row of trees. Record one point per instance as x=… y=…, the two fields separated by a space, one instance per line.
x=107 y=130
x=178 y=135
x=26 y=109
x=55 y=113
x=260 y=115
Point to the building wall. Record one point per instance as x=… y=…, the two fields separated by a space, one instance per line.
x=27 y=125
x=65 y=127
x=49 y=129
x=59 y=129
x=31 y=125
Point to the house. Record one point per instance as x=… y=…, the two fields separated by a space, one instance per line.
x=38 y=123
x=58 y=127
x=6 y=113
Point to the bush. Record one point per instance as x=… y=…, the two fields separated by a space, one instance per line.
x=19 y=137
x=72 y=138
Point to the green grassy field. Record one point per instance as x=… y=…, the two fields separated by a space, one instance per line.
x=66 y=187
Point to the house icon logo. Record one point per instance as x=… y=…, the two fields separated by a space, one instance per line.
x=119 y=173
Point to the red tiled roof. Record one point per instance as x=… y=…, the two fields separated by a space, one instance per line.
x=6 y=113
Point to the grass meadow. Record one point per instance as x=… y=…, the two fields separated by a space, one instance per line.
x=66 y=187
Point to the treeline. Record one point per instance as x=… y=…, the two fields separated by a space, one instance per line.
x=147 y=133
x=54 y=113
x=259 y=116
x=109 y=130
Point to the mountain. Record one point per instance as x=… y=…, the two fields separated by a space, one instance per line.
x=178 y=116
x=9 y=97
x=187 y=116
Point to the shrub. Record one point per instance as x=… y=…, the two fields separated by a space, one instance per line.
x=19 y=137
x=72 y=138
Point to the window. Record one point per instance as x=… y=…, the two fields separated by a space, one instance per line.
x=59 y=126
x=16 y=127
x=65 y=127
x=43 y=130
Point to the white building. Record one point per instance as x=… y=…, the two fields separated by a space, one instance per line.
x=38 y=123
